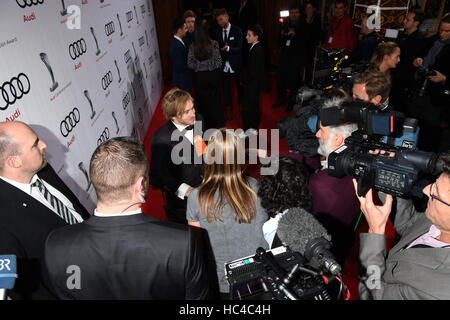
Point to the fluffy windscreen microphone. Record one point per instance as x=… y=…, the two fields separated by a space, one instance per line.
x=297 y=227
x=301 y=232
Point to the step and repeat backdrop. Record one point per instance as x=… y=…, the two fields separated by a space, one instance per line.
x=79 y=73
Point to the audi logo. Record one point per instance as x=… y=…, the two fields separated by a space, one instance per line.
x=14 y=89
x=103 y=137
x=127 y=56
x=77 y=48
x=109 y=28
x=69 y=122
x=129 y=16
x=126 y=100
x=107 y=80
x=28 y=3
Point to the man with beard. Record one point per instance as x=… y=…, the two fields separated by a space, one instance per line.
x=33 y=202
x=335 y=204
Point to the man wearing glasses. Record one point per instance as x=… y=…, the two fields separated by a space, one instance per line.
x=418 y=266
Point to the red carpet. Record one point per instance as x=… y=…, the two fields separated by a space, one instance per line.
x=269 y=120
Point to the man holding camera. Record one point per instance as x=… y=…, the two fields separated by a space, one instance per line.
x=374 y=87
x=334 y=202
x=431 y=106
x=418 y=266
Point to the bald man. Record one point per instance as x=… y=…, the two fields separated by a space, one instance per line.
x=33 y=202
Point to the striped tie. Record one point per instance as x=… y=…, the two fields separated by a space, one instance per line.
x=57 y=204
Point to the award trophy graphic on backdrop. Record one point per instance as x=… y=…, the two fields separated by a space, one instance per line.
x=96 y=42
x=44 y=59
x=120 y=25
x=64 y=10
x=83 y=169
x=115 y=120
x=86 y=93
x=118 y=71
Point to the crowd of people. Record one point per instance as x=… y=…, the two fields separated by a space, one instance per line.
x=216 y=211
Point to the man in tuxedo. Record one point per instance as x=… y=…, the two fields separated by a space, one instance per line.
x=120 y=253
x=181 y=74
x=33 y=202
x=334 y=201
x=254 y=80
x=176 y=166
x=230 y=39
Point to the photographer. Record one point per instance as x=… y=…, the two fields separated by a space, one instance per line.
x=431 y=105
x=417 y=267
x=291 y=59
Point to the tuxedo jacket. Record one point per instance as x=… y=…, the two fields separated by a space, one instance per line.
x=406 y=273
x=24 y=226
x=181 y=75
x=235 y=41
x=168 y=174
x=254 y=78
x=126 y=257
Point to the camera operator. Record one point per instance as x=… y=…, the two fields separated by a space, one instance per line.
x=373 y=86
x=411 y=43
x=291 y=59
x=334 y=202
x=431 y=104
x=418 y=266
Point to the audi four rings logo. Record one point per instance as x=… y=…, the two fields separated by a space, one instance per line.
x=109 y=28
x=77 y=48
x=125 y=101
x=103 y=137
x=69 y=122
x=107 y=80
x=129 y=16
x=14 y=89
x=28 y=3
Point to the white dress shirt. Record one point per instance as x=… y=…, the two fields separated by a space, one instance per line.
x=189 y=134
x=121 y=214
x=34 y=192
x=227 y=67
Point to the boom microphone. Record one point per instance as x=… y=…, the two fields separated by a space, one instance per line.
x=301 y=232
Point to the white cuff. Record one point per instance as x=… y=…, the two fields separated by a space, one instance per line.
x=182 y=189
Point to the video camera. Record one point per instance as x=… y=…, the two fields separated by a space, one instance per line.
x=400 y=175
x=335 y=69
x=422 y=77
x=277 y=274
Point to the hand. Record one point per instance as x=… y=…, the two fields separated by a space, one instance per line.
x=417 y=62
x=291 y=32
x=376 y=216
x=439 y=77
x=188 y=191
x=378 y=151
x=225 y=47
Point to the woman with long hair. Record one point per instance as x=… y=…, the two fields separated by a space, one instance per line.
x=226 y=205
x=204 y=58
x=386 y=56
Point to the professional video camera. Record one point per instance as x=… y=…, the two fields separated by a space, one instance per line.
x=421 y=77
x=400 y=175
x=335 y=69
x=277 y=274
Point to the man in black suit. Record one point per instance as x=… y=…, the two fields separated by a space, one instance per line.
x=181 y=74
x=254 y=80
x=120 y=253
x=33 y=202
x=176 y=166
x=230 y=39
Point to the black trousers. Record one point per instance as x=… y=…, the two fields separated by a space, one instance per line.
x=227 y=78
x=250 y=108
x=208 y=98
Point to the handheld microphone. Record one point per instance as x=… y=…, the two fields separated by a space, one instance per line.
x=301 y=232
x=8 y=273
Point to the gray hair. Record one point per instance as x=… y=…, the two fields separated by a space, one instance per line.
x=344 y=129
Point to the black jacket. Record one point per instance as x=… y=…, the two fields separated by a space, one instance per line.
x=128 y=257
x=24 y=226
x=235 y=41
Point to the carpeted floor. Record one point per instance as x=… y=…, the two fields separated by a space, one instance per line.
x=269 y=120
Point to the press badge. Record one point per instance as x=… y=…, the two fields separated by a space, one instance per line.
x=288 y=43
x=330 y=40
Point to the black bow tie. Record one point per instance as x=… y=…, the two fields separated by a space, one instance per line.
x=191 y=127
